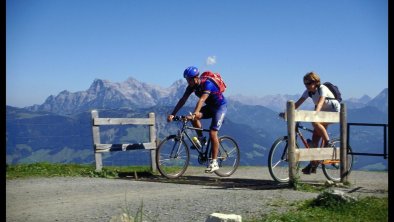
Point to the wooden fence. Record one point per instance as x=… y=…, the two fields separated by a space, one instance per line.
x=296 y=155
x=99 y=148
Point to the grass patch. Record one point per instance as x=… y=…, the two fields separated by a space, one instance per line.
x=313 y=188
x=364 y=209
x=44 y=169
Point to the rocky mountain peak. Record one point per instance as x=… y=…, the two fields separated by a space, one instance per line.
x=104 y=93
x=97 y=85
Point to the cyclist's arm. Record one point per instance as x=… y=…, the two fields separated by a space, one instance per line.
x=180 y=103
x=201 y=102
x=299 y=102
x=320 y=104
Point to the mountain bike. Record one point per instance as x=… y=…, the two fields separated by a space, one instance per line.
x=173 y=153
x=278 y=164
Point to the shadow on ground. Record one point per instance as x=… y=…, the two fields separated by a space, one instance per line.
x=214 y=182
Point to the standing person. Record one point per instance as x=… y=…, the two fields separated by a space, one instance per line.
x=324 y=100
x=215 y=108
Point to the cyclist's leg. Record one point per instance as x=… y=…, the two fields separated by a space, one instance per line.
x=321 y=128
x=312 y=166
x=197 y=123
x=320 y=132
x=213 y=134
x=216 y=123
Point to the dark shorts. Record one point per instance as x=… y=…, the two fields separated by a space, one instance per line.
x=217 y=115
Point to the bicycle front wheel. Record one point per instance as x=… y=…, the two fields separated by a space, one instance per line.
x=332 y=169
x=228 y=156
x=172 y=157
x=278 y=164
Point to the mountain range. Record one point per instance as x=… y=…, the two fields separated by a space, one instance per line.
x=105 y=94
x=59 y=130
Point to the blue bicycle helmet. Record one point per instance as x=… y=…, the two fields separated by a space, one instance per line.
x=191 y=72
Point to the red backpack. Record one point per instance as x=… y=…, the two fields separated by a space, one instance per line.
x=216 y=78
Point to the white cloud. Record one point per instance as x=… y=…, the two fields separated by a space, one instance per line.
x=211 y=60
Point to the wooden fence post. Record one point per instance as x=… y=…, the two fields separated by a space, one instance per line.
x=291 y=142
x=343 y=151
x=152 y=139
x=96 y=140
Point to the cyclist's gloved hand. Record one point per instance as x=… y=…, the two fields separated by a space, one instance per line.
x=191 y=116
x=282 y=115
x=169 y=118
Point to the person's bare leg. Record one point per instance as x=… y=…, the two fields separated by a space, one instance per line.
x=315 y=143
x=215 y=143
x=197 y=123
x=320 y=129
x=213 y=165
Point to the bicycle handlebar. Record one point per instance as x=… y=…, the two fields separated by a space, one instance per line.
x=185 y=121
x=179 y=118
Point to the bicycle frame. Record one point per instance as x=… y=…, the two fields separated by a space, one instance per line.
x=299 y=134
x=184 y=132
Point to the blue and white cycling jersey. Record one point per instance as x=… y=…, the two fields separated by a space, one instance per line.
x=215 y=98
x=216 y=104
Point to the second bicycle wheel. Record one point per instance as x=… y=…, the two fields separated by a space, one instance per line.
x=332 y=169
x=278 y=164
x=172 y=157
x=228 y=156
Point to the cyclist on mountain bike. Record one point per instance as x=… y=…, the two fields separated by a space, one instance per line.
x=322 y=103
x=215 y=108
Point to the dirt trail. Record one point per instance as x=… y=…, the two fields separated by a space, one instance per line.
x=249 y=192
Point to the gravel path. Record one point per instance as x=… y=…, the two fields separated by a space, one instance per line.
x=249 y=192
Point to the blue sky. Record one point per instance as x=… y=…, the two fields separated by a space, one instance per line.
x=261 y=47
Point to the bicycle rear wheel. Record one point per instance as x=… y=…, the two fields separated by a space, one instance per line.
x=278 y=164
x=332 y=170
x=172 y=157
x=228 y=156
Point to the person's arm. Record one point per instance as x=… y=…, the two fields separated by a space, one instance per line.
x=200 y=103
x=319 y=104
x=300 y=101
x=179 y=105
x=206 y=92
x=297 y=104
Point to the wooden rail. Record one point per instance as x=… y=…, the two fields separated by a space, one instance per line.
x=100 y=148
